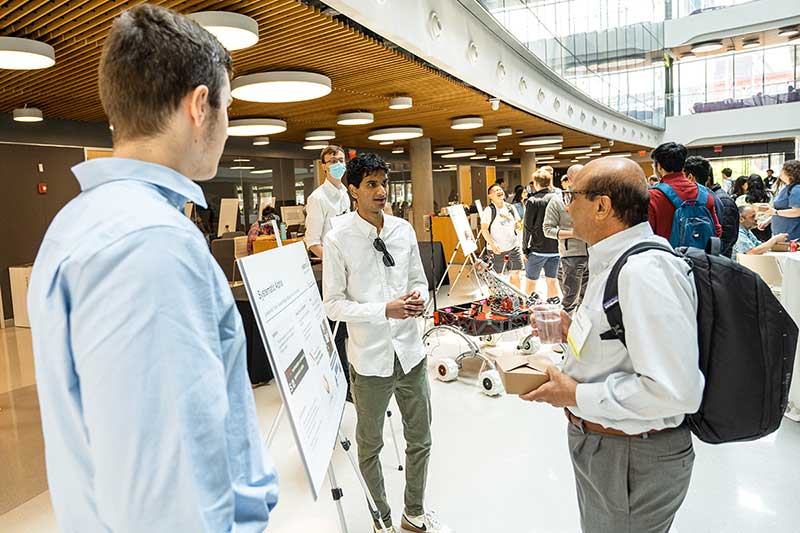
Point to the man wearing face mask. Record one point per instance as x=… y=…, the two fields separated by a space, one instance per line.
x=328 y=200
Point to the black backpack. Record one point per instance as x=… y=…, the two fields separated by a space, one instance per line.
x=747 y=344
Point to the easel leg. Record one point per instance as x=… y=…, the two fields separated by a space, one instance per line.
x=460 y=271
x=273 y=429
x=373 y=508
x=337 y=494
x=394 y=440
x=441 y=281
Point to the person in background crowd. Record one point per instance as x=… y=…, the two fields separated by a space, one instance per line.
x=668 y=161
x=541 y=250
x=631 y=453
x=147 y=410
x=786 y=208
x=329 y=200
x=520 y=197
x=699 y=170
x=499 y=225
x=727 y=181
x=770 y=180
x=652 y=181
x=739 y=190
x=756 y=190
x=573 y=274
x=757 y=195
x=263 y=226
x=747 y=242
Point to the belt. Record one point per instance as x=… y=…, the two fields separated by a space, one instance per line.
x=597 y=428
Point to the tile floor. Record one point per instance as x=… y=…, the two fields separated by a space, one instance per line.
x=498 y=465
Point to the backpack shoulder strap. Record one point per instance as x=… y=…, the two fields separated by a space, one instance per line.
x=703 y=197
x=493 y=209
x=671 y=195
x=611 y=293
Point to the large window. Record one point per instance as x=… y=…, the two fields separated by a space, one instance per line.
x=684 y=8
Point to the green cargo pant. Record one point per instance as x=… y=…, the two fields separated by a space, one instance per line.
x=371 y=396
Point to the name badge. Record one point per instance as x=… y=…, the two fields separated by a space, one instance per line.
x=578 y=332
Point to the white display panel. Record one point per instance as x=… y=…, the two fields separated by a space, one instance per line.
x=301 y=351
x=293 y=214
x=228 y=214
x=463 y=229
x=480 y=209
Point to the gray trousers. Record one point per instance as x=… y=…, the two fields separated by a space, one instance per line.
x=630 y=484
x=573 y=276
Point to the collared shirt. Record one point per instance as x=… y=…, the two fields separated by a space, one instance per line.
x=147 y=410
x=504 y=228
x=653 y=382
x=356 y=287
x=327 y=201
x=746 y=242
x=661 y=211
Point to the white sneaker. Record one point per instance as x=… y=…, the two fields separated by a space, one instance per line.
x=427 y=523
x=389 y=529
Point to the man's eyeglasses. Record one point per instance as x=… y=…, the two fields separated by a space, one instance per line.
x=569 y=196
x=379 y=245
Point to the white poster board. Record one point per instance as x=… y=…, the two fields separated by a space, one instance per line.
x=300 y=349
x=293 y=214
x=264 y=203
x=463 y=230
x=228 y=215
x=480 y=209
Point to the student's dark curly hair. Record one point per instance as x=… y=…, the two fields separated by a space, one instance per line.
x=756 y=192
x=363 y=165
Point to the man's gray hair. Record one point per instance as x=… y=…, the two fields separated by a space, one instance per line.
x=573 y=170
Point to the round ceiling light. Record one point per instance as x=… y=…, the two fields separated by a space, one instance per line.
x=395 y=133
x=594 y=146
x=280 y=86
x=320 y=135
x=605 y=150
x=386 y=143
x=232 y=30
x=504 y=132
x=708 y=46
x=750 y=43
x=541 y=140
x=250 y=127
x=241 y=160
x=460 y=153
x=443 y=150
x=478 y=157
x=466 y=123
x=242 y=167
x=28 y=114
x=25 y=54
x=315 y=145
x=483 y=139
x=552 y=148
x=355 y=119
x=261 y=141
x=582 y=157
x=788 y=32
x=620 y=154
x=578 y=150
x=401 y=102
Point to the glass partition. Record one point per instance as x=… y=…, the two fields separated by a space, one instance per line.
x=685 y=8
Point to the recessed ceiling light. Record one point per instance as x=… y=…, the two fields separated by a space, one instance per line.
x=541 y=140
x=250 y=127
x=401 y=102
x=242 y=167
x=578 y=150
x=620 y=154
x=443 y=149
x=490 y=147
x=594 y=146
x=315 y=145
x=478 y=156
x=705 y=47
x=750 y=43
x=280 y=86
x=605 y=150
x=504 y=132
x=25 y=54
x=241 y=160
x=492 y=158
x=466 y=123
x=574 y=161
x=552 y=148
x=28 y=114
x=355 y=119
x=398 y=150
x=788 y=32
x=508 y=153
x=519 y=132
x=261 y=141
x=395 y=133
x=320 y=135
x=502 y=159
x=232 y=30
x=483 y=139
x=262 y=171
x=386 y=143
x=582 y=157
x=460 y=153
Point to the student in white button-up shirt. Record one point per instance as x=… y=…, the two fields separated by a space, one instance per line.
x=329 y=200
x=631 y=454
x=373 y=279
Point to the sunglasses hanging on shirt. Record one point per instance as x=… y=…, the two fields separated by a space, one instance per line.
x=379 y=245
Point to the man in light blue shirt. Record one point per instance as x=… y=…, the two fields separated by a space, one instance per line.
x=148 y=415
x=748 y=243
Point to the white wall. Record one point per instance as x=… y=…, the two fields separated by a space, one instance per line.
x=751 y=124
x=408 y=24
x=731 y=21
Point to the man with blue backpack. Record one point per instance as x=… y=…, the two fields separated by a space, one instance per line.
x=680 y=210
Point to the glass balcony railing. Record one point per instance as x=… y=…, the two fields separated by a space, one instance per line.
x=685 y=8
x=699 y=102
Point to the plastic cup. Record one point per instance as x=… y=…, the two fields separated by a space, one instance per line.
x=548 y=322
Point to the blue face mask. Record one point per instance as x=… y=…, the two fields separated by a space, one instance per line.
x=337 y=170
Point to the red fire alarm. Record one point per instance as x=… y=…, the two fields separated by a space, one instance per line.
x=42 y=188
x=351 y=153
x=642 y=153
x=718 y=149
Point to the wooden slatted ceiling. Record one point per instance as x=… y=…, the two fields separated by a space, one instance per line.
x=293 y=36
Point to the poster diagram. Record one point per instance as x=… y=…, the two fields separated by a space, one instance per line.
x=301 y=352
x=463 y=229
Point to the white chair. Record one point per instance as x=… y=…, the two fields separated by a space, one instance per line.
x=765 y=266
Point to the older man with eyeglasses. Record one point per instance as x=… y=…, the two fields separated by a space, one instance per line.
x=374 y=280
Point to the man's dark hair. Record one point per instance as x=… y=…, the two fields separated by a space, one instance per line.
x=152 y=58
x=363 y=165
x=770 y=171
x=267 y=211
x=492 y=186
x=671 y=156
x=630 y=199
x=727 y=172
x=699 y=167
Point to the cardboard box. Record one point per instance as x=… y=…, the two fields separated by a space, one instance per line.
x=522 y=373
